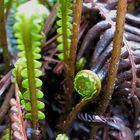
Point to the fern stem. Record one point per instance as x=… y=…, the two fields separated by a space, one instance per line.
x=117 y=44
x=113 y=67
x=3 y=36
x=76 y=26
x=31 y=72
x=73 y=113
x=71 y=64
x=70 y=69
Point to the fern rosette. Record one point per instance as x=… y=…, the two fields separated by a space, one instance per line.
x=29 y=21
x=87 y=84
x=64 y=27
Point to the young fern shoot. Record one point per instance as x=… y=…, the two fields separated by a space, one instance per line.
x=64 y=30
x=88 y=85
x=29 y=21
x=62 y=137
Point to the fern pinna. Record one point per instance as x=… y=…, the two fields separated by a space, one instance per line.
x=65 y=26
x=29 y=21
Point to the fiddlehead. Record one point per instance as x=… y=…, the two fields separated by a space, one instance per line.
x=65 y=26
x=62 y=137
x=87 y=84
x=28 y=33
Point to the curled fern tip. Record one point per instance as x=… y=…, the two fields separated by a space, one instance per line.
x=62 y=137
x=87 y=84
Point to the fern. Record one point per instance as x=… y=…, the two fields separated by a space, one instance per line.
x=87 y=84
x=27 y=30
x=65 y=26
x=62 y=137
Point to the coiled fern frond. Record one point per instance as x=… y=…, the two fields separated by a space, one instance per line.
x=62 y=137
x=29 y=21
x=87 y=84
x=65 y=26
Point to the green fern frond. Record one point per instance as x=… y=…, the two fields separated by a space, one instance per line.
x=65 y=27
x=29 y=21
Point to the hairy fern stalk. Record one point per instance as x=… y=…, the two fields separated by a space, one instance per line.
x=29 y=21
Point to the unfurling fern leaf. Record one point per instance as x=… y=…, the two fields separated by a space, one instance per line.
x=62 y=137
x=87 y=84
x=29 y=21
x=65 y=26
